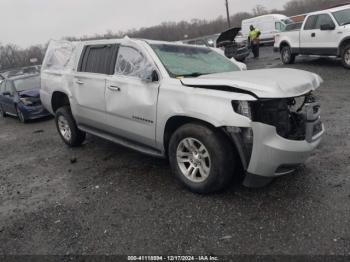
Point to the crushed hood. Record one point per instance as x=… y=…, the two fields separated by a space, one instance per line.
x=264 y=83
x=30 y=93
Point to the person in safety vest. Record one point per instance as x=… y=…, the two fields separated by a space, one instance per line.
x=254 y=40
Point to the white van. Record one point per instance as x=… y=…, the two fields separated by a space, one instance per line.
x=269 y=25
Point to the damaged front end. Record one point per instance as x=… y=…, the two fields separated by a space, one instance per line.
x=294 y=118
x=283 y=134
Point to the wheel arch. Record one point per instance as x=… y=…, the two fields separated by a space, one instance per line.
x=283 y=44
x=58 y=100
x=342 y=44
x=175 y=122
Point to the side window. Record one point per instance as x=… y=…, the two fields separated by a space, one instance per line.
x=201 y=42
x=311 y=23
x=2 y=87
x=97 y=59
x=9 y=87
x=278 y=26
x=131 y=62
x=324 y=19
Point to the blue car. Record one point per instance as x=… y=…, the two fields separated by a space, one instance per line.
x=20 y=97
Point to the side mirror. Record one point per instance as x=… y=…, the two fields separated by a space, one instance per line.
x=151 y=77
x=155 y=76
x=327 y=27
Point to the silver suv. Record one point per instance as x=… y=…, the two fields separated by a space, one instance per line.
x=190 y=104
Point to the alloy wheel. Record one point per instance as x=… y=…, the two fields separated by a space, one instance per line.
x=193 y=160
x=347 y=57
x=20 y=115
x=286 y=55
x=64 y=128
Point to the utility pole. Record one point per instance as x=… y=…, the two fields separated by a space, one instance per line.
x=228 y=15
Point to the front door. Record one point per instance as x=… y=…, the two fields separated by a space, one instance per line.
x=316 y=41
x=131 y=99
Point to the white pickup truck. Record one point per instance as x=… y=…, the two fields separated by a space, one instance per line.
x=325 y=33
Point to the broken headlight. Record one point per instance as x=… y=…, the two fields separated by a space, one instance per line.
x=242 y=108
x=26 y=101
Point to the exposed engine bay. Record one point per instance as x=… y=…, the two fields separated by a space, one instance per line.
x=294 y=118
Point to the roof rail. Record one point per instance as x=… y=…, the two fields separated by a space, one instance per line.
x=339 y=5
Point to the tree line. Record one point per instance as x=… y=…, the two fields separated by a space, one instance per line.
x=12 y=56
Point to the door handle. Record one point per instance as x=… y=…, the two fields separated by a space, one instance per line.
x=80 y=82
x=313 y=34
x=114 y=88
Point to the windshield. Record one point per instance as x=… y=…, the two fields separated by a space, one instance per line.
x=192 y=61
x=28 y=83
x=342 y=17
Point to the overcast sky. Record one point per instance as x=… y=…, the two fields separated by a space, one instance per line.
x=27 y=22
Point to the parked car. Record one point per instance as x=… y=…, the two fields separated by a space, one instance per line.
x=269 y=25
x=238 y=50
x=20 y=97
x=325 y=33
x=185 y=103
x=234 y=45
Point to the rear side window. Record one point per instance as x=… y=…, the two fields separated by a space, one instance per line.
x=311 y=23
x=98 y=59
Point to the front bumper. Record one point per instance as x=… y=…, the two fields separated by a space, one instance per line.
x=242 y=53
x=273 y=155
x=34 y=112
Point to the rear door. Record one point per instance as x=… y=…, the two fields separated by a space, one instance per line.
x=8 y=100
x=131 y=99
x=89 y=84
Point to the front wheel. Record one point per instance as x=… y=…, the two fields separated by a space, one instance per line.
x=20 y=115
x=346 y=56
x=286 y=56
x=201 y=158
x=67 y=128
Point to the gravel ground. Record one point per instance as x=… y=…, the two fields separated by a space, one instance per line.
x=105 y=199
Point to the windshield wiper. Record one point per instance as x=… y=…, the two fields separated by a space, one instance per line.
x=194 y=74
x=346 y=23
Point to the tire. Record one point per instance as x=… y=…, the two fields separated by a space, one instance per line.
x=286 y=56
x=345 y=56
x=67 y=127
x=212 y=168
x=20 y=116
x=2 y=112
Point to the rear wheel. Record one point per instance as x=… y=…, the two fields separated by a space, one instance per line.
x=286 y=55
x=346 y=56
x=201 y=158
x=20 y=115
x=67 y=128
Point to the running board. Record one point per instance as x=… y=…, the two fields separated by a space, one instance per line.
x=123 y=142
